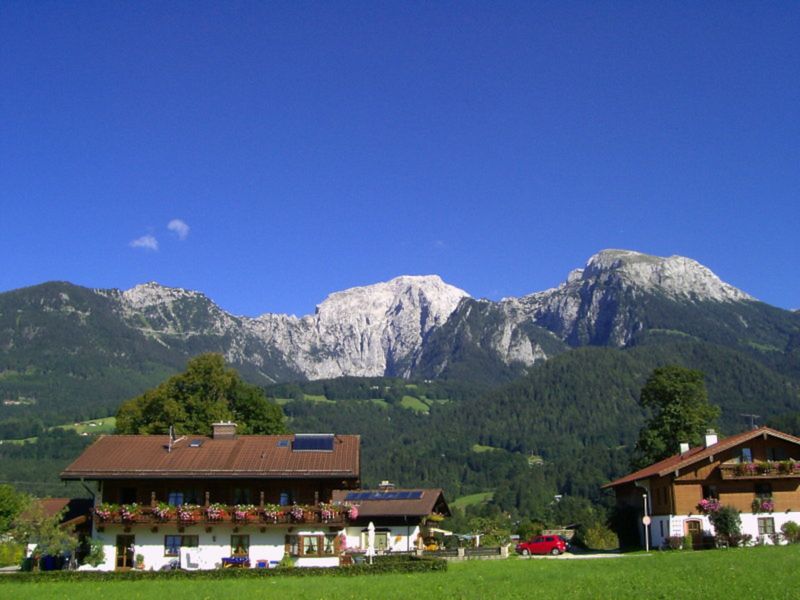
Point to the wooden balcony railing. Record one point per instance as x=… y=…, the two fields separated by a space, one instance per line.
x=761 y=470
x=129 y=514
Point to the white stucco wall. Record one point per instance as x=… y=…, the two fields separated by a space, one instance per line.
x=213 y=545
x=674 y=525
x=401 y=537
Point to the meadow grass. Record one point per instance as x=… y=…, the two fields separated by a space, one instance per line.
x=472 y=500
x=764 y=572
x=415 y=404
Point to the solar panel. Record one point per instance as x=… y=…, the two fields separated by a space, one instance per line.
x=283 y=443
x=322 y=442
x=404 y=495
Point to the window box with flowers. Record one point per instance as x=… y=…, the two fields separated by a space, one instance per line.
x=273 y=513
x=188 y=513
x=162 y=512
x=105 y=512
x=215 y=512
x=129 y=513
x=708 y=505
x=746 y=469
x=327 y=512
x=242 y=513
x=298 y=514
x=765 y=504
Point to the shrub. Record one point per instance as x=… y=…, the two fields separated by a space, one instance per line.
x=791 y=532
x=675 y=542
x=96 y=554
x=600 y=537
x=727 y=524
x=388 y=564
x=11 y=553
x=688 y=543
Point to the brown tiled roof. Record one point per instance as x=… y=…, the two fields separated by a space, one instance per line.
x=679 y=461
x=146 y=456
x=77 y=509
x=429 y=500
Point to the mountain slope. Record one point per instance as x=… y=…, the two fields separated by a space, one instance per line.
x=619 y=299
x=63 y=343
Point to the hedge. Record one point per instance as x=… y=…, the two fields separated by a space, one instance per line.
x=389 y=564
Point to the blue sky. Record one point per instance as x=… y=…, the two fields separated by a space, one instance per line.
x=301 y=148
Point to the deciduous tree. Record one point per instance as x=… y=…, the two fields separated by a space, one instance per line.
x=205 y=393
x=681 y=413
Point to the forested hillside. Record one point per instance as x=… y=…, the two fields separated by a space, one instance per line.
x=565 y=428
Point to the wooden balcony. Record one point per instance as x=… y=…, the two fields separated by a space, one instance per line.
x=217 y=514
x=761 y=470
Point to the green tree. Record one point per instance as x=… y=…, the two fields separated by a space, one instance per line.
x=681 y=413
x=205 y=393
x=35 y=526
x=11 y=503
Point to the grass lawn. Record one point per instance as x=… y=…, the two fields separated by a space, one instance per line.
x=471 y=500
x=737 y=573
x=415 y=404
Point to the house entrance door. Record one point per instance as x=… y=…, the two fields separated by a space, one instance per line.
x=125 y=551
x=694 y=528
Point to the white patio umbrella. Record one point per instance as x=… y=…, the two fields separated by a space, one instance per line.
x=370 y=541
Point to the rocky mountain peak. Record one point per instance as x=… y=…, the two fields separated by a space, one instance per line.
x=153 y=293
x=675 y=276
x=392 y=297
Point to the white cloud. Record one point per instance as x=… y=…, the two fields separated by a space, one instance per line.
x=148 y=242
x=179 y=227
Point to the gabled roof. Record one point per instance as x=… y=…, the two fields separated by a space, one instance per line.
x=429 y=501
x=679 y=461
x=246 y=456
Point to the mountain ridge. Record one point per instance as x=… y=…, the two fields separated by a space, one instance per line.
x=415 y=326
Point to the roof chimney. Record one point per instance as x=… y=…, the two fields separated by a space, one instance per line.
x=711 y=437
x=684 y=447
x=224 y=430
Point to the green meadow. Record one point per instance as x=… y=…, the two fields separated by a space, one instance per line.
x=763 y=572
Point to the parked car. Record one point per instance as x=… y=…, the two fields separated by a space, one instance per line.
x=543 y=544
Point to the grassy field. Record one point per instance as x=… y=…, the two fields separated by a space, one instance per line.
x=737 y=573
x=471 y=500
x=91 y=427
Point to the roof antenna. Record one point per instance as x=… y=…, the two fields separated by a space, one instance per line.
x=752 y=419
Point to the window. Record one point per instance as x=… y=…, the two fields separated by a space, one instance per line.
x=174 y=543
x=777 y=454
x=293 y=545
x=381 y=539
x=240 y=545
x=241 y=495
x=285 y=499
x=766 y=526
x=175 y=498
x=747 y=455
x=763 y=490
x=191 y=496
x=312 y=545
x=330 y=544
x=710 y=491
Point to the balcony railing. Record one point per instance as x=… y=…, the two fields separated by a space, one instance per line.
x=761 y=470
x=129 y=514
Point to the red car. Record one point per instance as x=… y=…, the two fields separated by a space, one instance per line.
x=543 y=544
